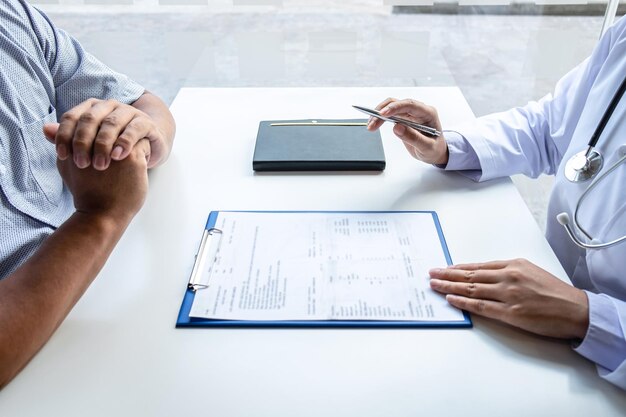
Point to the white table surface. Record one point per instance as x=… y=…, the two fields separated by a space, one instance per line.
x=118 y=353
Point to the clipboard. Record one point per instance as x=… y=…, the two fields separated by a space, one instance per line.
x=207 y=250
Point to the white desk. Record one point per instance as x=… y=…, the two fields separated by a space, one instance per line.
x=118 y=353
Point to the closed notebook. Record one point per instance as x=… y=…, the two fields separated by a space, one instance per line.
x=317 y=145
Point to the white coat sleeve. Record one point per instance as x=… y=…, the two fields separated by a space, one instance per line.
x=532 y=139
x=604 y=342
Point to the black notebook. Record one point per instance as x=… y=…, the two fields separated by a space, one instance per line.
x=317 y=145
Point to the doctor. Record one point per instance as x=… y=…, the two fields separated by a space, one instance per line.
x=541 y=138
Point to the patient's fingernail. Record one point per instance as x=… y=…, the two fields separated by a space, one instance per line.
x=400 y=129
x=99 y=162
x=62 y=151
x=81 y=160
x=117 y=152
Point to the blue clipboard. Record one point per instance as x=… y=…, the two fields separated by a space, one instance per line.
x=185 y=321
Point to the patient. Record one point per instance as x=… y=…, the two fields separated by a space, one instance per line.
x=65 y=201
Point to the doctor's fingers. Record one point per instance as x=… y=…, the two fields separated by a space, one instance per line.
x=467 y=276
x=374 y=122
x=481 y=291
x=485 y=308
x=423 y=148
x=413 y=110
x=481 y=265
x=385 y=102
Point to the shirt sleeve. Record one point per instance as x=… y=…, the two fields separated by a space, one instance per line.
x=604 y=342
x=78 y=75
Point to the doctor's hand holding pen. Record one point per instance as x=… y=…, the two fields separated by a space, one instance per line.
x=515 y=292
x=432 y=150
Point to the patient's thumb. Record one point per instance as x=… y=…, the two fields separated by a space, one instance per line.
x=50 y=131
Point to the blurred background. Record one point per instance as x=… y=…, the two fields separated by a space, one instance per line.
x=500 y=54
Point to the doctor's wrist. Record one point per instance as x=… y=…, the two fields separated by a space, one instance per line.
x=580 y=316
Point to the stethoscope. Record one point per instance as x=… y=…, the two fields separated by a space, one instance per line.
x=584 y=166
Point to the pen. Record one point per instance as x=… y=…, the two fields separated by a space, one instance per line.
x=430 y=131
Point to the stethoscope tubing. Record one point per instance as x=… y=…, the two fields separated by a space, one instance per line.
x=607 y=115
x=577 y=224
x=587 y=172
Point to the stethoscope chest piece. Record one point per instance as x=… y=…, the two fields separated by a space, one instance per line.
x=583 y=166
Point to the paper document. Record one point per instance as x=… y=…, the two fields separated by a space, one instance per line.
x=324 y=266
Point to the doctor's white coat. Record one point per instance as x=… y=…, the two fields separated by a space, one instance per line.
x=540 y=138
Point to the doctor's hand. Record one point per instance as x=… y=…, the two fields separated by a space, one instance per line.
x=422 y=147
x=96 y=132
x=516 y=292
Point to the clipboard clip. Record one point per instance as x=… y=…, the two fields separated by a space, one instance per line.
x=207 y=252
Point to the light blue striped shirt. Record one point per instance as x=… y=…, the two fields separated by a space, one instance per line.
x=43 y=73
